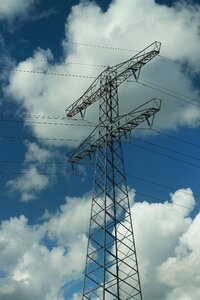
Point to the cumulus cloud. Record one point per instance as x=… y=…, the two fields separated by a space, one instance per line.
x=35 y=264
x=5 y=59
x=165 y=234
x=70 y=214
x=183 y=198
x=77 y=296
x=181 y=271
x=12 y=13
x=32 y=182
x=10 y=9
x=145 y=21
x=43 y=260
x=164 y=254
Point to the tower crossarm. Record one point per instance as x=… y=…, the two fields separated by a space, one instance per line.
x=85 y=148
x=137 y=116
x=117 y=74
x=133 y=66
x=126 y=123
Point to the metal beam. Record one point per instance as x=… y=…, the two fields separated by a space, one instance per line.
x=111 y=270
x=119 y=73
x=126 y=124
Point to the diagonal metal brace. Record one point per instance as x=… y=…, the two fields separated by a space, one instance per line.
x=126 y=123
x=118 y=74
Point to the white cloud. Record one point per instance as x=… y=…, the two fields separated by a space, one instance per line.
x=143 y=21
x=66 y=225
x=36 y=154
x=51 y=95
x=10 y=9
x=37 y=266
x=5 y=59
x=166 y=236
x=77 y=296
x=28 y=184
x=15 y=239
x=43 y=260
x=163 y=234
x=32 y=182
x=184 y=201
x=181 y=271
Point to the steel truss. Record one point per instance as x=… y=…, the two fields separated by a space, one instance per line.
x=111 y=271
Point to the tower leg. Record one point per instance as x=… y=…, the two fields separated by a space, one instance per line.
x=111 y=265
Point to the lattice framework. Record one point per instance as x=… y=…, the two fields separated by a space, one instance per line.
x=111 y=264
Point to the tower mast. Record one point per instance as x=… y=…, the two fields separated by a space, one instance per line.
x=111 y=264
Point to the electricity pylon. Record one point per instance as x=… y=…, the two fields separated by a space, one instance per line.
x=111 y=265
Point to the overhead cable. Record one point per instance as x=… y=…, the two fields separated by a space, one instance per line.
x=47 y=73
x=164 y=155
x=40 y=116
x=62 y=163
x=164 y=92
x=175 y=138
x=89 y=178
x=166 y=148
x=46 y=123
x=133 y=144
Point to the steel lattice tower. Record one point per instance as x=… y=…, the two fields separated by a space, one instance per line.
x=111 y=265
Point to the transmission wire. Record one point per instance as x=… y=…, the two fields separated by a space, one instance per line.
x=89 y=178
x=175 y=138
x=165 y=155
x=46 y=123
x=47 y=73
x=166 y=148
x=39 y=116
x=163 y=92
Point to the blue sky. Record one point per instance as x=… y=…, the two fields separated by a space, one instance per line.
x=48 y=51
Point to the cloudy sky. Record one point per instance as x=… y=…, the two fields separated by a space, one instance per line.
x=51 y=51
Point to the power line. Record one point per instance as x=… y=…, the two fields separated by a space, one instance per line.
x=61 y=162
x=89 y=44
x=104 y=47
x=104 y=66
x=130 y=143
x=65 y=62
x=91 y=124
x=136 y=145
x=47 y=73
x=150 y=143
x=33 y=162
x=176 y=62
x=108 y=47
x=160 y=185
x=162 y=87
x=166 y=93
x=170 y=59
x=168 y=149
x=161 y=200
x=176 y=138
x=46 y=123
x=39 y=116
x=39 y=138
x=165 y=155
x=83 y=44
x=152 y=86
x=89 y=178
x=99 y=46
